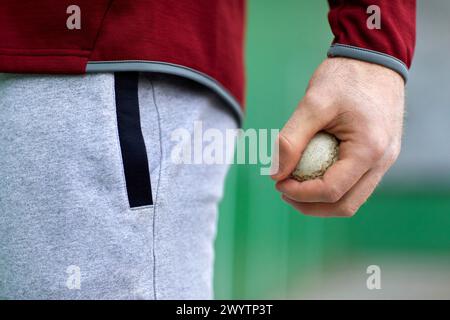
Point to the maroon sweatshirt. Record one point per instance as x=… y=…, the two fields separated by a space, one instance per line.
x=198 y=39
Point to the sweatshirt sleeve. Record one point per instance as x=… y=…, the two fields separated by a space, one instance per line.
x=376 y=31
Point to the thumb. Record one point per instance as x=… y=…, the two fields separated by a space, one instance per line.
x=304 y=123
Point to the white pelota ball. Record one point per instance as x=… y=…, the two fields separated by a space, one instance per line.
x=321 y=152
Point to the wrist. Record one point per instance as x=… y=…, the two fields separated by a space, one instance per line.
x=370 y=56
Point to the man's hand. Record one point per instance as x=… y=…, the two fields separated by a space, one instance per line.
x=362 y=104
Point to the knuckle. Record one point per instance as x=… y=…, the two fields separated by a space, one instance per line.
x=284 y=141
x=347 y=210
x=377 y=148
x=332 y=194
x=393 y=155
x=314 y=104
x=312 y=100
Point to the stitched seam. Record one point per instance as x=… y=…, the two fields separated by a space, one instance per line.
x=100 y=27
x=157 y=187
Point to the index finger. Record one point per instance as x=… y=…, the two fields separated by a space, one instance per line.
x=335 y=183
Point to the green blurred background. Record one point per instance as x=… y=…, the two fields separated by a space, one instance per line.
x=267 y=250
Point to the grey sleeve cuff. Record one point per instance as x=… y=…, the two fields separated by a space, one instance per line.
x=343 y=50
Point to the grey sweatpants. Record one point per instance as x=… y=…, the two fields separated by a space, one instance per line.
x=67 y=230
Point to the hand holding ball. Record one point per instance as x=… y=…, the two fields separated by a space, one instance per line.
x=321 y=152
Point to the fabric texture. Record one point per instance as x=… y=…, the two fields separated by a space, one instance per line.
x=396 y=36
x=202 y=36
x=64 y=209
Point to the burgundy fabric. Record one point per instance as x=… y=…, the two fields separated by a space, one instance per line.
x=34 y=37
x=397 y=34
x=204 y=35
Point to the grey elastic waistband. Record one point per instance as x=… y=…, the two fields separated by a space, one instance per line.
x=169 y=68
x=342 y=50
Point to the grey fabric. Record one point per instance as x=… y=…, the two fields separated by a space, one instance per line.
x=343 y=50
x=169 y=68
x=63 y=201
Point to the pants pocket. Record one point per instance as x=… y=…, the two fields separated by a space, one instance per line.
x=132 y=145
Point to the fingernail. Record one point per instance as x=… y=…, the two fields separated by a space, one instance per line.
x=279 y=187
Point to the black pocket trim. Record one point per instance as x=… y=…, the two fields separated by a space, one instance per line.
x=132 y=145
